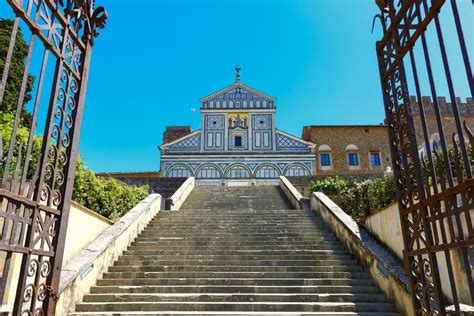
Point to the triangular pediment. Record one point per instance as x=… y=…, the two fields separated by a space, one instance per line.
x=189 y=142
x=237 y=89
x=287 y=141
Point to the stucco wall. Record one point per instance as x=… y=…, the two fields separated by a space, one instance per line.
x=385 y=226
x=84 y=226
x=91 y=262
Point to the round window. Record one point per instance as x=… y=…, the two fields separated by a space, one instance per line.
x=261 y=121
x=214 y=123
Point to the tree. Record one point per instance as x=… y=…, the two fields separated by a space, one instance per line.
x=15 y=74
x=108 y=197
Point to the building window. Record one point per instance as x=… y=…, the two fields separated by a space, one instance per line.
x=238 y=141
x=296 y=171
x=179 y=172
x=375 y=159
x=208 y=172
x=267 y=172
x=325 y=159
x=353 y=159
x=238 y=172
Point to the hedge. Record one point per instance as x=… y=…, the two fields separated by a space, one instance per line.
x=359 y=198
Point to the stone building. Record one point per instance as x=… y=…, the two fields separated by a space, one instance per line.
x=238 y=141
x=363 y=150
x=173 y=133
x=466 y=111
x=349 y=150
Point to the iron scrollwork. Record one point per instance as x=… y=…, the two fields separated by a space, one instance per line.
x=35 y=198
x=434 y=187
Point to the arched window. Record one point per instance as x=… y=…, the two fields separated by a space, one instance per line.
x=267 y=172
x=211 y=104
x=238 y=172
x=296 y=171
x=179 y=171
x=208 y=172
x=218 y=104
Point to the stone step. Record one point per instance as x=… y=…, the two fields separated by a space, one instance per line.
x=218 y=215
x=321 y=254
x=227 y=239
x=317 y=262
x=235 y=281
x=238 y=306
x=233 y=297
x=350 y=289
x=243 y=233
x=233 y=275
x=205 y=245
x=194 y=268
x=181 y=313
x=229 y=227
x=179 y=244
x=240 y=251
x=225 y=250
x=213 y=219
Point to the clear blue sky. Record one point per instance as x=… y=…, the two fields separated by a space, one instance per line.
x=156 y=59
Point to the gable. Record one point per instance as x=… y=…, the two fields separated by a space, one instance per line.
x=237 y=95
x=287 y=142
x=190 y=142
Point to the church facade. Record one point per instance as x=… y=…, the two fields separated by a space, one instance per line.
x=238 y=140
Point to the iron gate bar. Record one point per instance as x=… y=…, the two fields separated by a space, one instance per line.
x=37 y=209
x=421 y=196
x=462 y=44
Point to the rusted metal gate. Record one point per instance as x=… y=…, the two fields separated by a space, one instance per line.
x=36 y=189
x=434 y=178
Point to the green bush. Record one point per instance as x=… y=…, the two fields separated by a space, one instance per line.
x=359 y=198
x=331 y=186
x=108 y=197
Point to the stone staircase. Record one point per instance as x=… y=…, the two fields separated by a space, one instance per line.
x=236 y=251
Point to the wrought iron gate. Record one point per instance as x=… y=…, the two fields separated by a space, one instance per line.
x=36 y=186
x=434 y=176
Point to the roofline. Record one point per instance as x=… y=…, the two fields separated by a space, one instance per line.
x=179 y=139
x=308 y=143
x=237 y=84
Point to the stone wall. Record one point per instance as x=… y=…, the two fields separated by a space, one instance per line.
x=166 y=187
x=466 y=110
x=133 y=178
x=365 y=139
x=340 y=140
x=173 y=133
